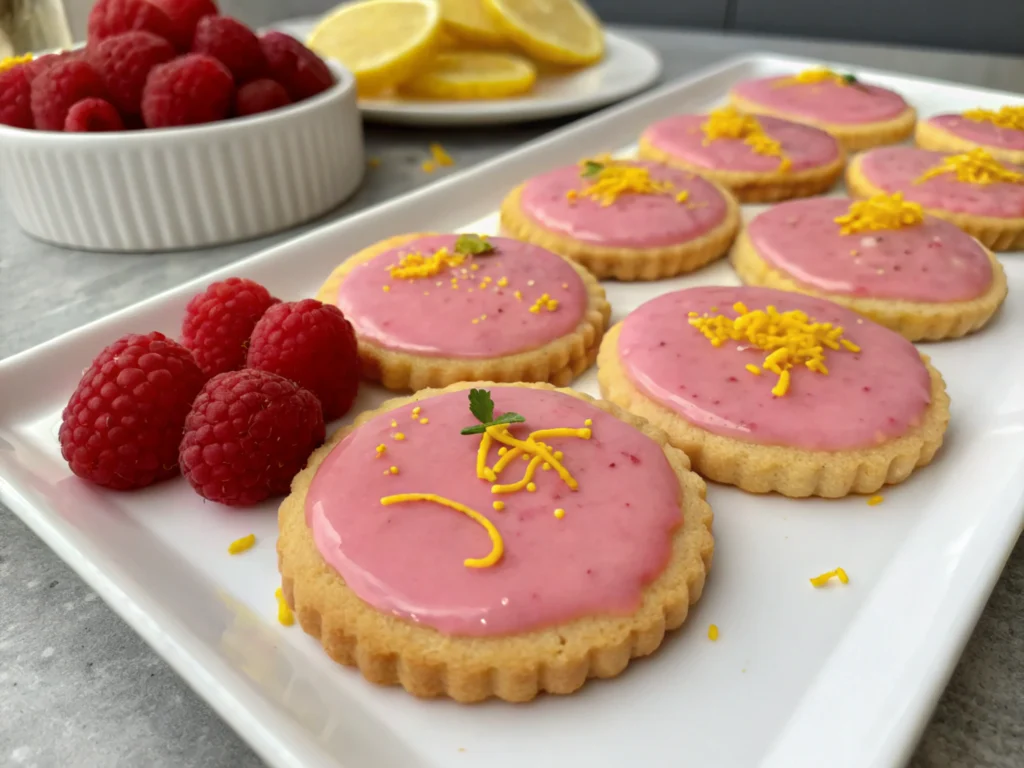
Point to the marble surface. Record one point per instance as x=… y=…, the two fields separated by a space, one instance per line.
x=79 y=688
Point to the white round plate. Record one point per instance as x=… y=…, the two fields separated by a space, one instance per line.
x=628 y=67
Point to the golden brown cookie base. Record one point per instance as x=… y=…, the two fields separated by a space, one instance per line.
x=995 y=234
x=853 y=137
x=756 y=187
x=930 y=136
x=914 y=320
x=625 y=263
x=559 y=361
x=793 y=472
x=427 y=663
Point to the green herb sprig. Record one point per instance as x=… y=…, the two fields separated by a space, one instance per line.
x=482 y=407
x=591 y=168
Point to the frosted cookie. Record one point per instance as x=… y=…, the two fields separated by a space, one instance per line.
x=857 y=114
x=883 y=257
x=552 y=545
x=430 y=310
x=999 y=132
x=758 y=159
x=982 y=196
x=775 y=391
x=623 y=219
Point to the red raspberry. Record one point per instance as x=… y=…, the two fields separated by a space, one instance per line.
x=113 y=17
x=16 y=98
x=233 y=44
x=122 y=426
x=123 y=63
x=219 y=321
x=192 y=89
x=42 y=63
x=313 y=345
x=247 y=435
x=93 y=116
x=56 y=89
x=298 y=69
x=184 y=15
x=260 y=96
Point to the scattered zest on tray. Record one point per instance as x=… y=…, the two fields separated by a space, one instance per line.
x=825 y=578
x=238 y=546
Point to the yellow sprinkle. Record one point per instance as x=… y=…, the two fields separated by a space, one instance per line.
x=386 y=288
x=571 y=195
x=440 y=156
x=518 y=295
x=730 y=123
x=502 y=282
x=531 y=487
x=588 y=422
x=502 y=451
x=284 y=612
x=393 y=470
x=427 y=166
x=415 y=266
x=880 y=212
x=474 y=267
x=498 y=505
x=1004 y=117
x=974 y=167
x=614 y=180
x=497 y=545
x=682 y=196
x=823 y=579
x=545 y=467
x=380 y=450
x=399 y=436
x=753 y=369
x=559 y=455
x=713 y=632
x=475 y=320
x=12 y=61
x=394 y=423
x=424 y=420
x=240 y=545
x=874 y=501
x=416 y=411
x=559 y=513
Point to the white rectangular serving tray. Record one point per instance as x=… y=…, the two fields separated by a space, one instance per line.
x=841 y=676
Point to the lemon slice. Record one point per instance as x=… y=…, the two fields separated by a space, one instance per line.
x=468 y=21
x=382 y=42
x=473 y=75
x=559 y=31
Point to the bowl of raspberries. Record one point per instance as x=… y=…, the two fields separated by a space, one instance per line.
x=174 y=127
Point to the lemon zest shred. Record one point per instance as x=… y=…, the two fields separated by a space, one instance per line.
x=730 y=123
x=482 y=470
x=615 y=180
x=824 y=578
x=415 y=266
x=11 y=62
x=813 y=76
x=1004 y=117
x=974 y=167
x=531 y=469
x=880 y=212
x=441 y=157
x=790 y=339
x=238 y=546
x=497 y=545
x=713 y=632
x=284 y=611
x=535 y=449
x=874 y=501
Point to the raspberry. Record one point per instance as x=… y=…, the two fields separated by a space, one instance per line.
x=39 y=65
x=123 y=63
x=219 y=321
x=189 y=90
x=57 y=88
x=313 y=345
x=184 y=15
x=113 y=17
x=122 y=426
x=92 y=116
x=260 y=96
x=233 y=44
x=298 y=69
x=247 y=435
x=16 y=98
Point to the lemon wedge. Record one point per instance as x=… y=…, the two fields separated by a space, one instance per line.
x=468 y=21
x=558 y=31
x=472 y=75
x=382 y=42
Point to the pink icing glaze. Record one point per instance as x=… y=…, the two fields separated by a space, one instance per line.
x=980 y=132
x=633 y=221
x=933 y=261
x=896 y=169
x=407 y=559
x=682 y=137
x=827 y=102
x=425 y=318
x=866 y=398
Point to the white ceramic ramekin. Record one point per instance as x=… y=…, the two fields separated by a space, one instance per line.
x=176 y=188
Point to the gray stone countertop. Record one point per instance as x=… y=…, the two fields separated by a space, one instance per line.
x=79 y=688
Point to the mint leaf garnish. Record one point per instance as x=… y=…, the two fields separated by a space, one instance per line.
x=850 y=79
x=591 y=168
x=482 y=407
x=472 y=245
